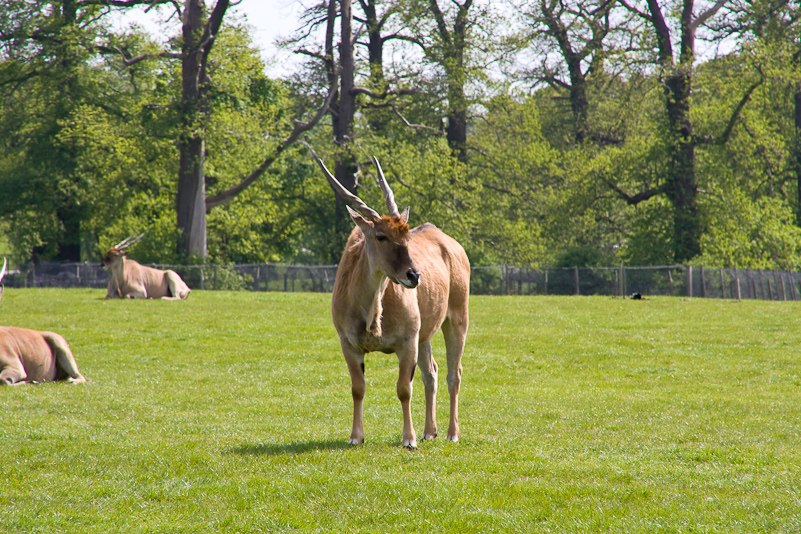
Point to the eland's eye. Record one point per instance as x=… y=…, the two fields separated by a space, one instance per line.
x=381 y=237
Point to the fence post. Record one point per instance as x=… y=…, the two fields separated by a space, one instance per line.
x=784 y=291
x=703 y=283
x=737 y=281
x=575 y=270
x=689 y=281
x=722 y=285
x=546 y=282
x=622 y=281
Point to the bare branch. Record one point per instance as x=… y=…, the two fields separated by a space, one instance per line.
x=128 y=61
x=739 y=108
x=636 y=11
x=706 y=15
x=316 y=55
x=405 y=121
x=381 y=96
x=300 y=127
x=633 y=200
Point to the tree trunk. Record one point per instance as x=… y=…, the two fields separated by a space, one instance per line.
x=375 y=51
x=454 y=46
x=70 y=212
x=191 y=196
x=343 y=113
x=682 y=186
x=797 y=149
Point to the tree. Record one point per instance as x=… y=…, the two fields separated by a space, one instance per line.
x=199 y=34
x=43 y=79
x=587 y=36
x=676 y=69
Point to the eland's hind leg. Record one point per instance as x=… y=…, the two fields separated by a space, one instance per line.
x=64 y=358
x=12 y=372
x=454 y=330
x=428 y=368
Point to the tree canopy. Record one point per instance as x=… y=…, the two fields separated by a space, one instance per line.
x=576 y=131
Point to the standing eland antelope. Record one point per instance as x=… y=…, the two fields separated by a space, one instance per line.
x=130 y=279
x=430 y=276
x=30 y=356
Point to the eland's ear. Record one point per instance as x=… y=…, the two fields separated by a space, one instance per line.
x=404 y=216
x=365 y=225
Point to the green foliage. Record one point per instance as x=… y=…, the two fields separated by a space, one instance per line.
x=579 y=414
x=752 y=235
x=88 y=144
x=584 y=257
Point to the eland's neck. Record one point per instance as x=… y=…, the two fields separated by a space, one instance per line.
x=118 y=271
x=368 y=292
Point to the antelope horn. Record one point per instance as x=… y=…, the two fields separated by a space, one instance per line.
x=125 y=243
x=355 y=202
x=390 y=198
x=3 y=270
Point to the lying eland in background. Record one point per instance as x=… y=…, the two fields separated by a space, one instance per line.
x=130 y=279
x=430 y=276
x=29 y=356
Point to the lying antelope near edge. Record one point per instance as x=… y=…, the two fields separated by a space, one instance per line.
x=30 y=356
x=430 y=276
x=129 y=279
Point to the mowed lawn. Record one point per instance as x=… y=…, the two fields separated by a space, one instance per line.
x=230 y=412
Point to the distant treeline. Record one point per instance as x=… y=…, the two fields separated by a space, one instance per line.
x=557 y=133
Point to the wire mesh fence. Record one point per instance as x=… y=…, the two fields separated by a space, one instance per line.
x=664 y=280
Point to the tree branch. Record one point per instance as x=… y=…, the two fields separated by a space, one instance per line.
x=132 y=61
x=300 y=127
x=739 y=108
x=636 y=11
x=633 y=200
x=210 y=33
x=706 y=15
x=381 y=96
x=405 y=121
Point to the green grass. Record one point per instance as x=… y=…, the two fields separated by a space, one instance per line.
x=230 y=412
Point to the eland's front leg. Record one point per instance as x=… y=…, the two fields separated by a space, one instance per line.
x=355 y=361
x=407 y=361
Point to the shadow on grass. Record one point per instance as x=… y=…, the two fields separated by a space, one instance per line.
x=275 y=449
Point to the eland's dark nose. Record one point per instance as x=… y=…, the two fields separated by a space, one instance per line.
x=413 y=277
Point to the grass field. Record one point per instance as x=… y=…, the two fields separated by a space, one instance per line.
x=230 y=412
